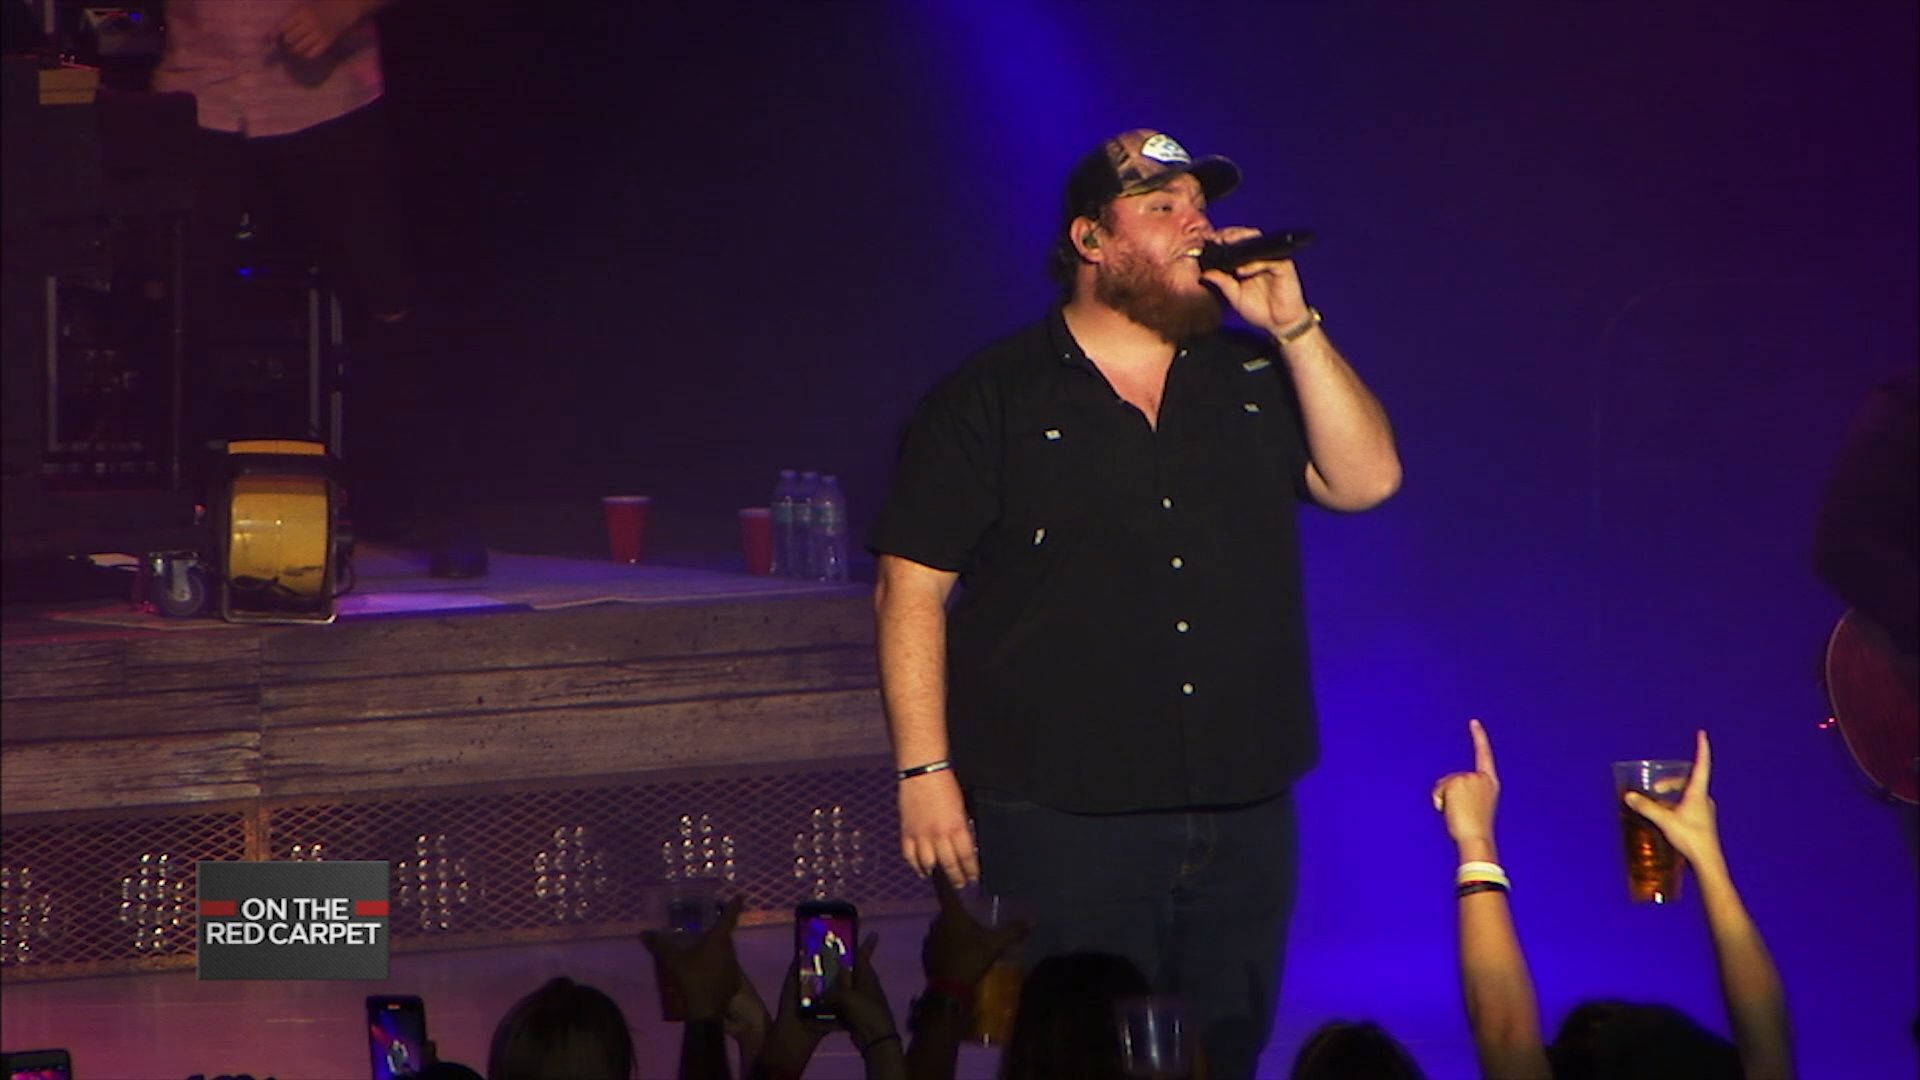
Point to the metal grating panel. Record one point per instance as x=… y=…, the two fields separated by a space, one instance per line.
x=469 y=867
x=594 y=855
x=106 y=889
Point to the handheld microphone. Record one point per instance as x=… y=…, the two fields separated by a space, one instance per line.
x=1273 y=245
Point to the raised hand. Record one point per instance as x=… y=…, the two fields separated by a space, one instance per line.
x=791 y=1040
x=857 y=997
x=703 y=971
x=957 y=948
x=1467 y=799
x=747 y=1020
x=1692 y=825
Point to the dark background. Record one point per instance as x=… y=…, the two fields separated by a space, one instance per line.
x=1620 y=273
x=713 y=240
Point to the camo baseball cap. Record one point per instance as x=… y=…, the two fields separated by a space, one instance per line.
x=1137 y=161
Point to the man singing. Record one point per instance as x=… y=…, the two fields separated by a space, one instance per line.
x=1119 y=698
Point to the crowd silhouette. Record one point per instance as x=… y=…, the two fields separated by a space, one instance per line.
x=1066 y=1022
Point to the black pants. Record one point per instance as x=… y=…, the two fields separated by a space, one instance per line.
x=324 y=192
x=324 y=196
x=1199 y=899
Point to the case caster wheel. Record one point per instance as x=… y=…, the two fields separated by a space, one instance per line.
x=181 y=590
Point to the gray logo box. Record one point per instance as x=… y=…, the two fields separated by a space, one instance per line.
x=285 y=923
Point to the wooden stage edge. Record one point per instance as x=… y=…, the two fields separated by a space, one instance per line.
x=98 y=718
x=549 y=767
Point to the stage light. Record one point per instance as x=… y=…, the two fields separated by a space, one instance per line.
x=157 y=902
x=434 y=882
x=26 y=914
x=700 y=851
x=830 y=853
x=570 y=874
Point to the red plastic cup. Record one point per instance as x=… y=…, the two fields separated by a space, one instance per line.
x=756 y=538
x=626 y=525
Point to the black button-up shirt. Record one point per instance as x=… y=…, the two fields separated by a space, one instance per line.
x=1128 y=633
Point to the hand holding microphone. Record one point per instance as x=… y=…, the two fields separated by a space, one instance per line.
x=1270 y=299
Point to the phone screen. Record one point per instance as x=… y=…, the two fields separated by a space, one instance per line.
x=821 y=930
x=38 y=1065
x=396 y=1036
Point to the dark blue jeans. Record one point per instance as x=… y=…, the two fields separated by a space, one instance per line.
x=1199 y=899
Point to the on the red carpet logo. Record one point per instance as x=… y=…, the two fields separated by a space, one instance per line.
x=293 y=920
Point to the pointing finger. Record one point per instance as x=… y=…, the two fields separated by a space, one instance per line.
x=1482 y=749
x=1702 y=761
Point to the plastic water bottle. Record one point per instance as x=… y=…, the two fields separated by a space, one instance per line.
x=781 y=510
x=803 y=524
x=828 y=531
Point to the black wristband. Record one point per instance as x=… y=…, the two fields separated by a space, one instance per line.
x=1472 y=887
x=894 y=1035
x=921 y=770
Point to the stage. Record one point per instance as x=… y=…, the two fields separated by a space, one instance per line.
x=534 y=751
x=645 y=721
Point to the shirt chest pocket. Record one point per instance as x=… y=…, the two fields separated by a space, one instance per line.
x=1059 y=479
x=1265 y=438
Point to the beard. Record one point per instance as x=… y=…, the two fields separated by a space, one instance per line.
x=1138 y=289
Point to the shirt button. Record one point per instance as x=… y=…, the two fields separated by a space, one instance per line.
x=1166 y=504
x=1177 y=562
x=1186 y=688
x=1181 y=626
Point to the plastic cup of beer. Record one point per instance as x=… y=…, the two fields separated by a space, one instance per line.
x=996 y=997
x=1653 y=867
x=1153 y=1037
x=688 y=908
